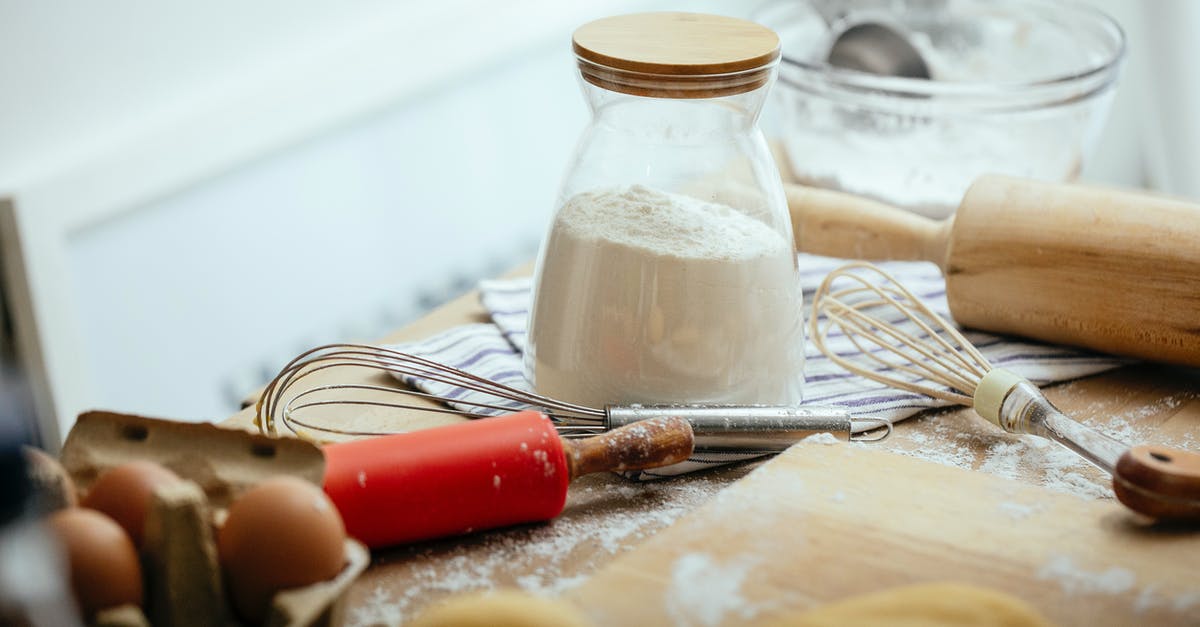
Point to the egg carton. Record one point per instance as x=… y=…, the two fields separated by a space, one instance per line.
x=184 y=586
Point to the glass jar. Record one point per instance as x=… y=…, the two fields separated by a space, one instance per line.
x=669 y=271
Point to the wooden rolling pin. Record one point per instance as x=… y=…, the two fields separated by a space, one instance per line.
x=1111 y=270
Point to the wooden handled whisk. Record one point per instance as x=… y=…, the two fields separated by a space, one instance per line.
x=905 y=344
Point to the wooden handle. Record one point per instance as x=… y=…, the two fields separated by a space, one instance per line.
x=1160 y=482
x=837 y=224
x=647 y=444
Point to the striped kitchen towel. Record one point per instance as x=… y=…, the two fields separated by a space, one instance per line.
x=494 y=351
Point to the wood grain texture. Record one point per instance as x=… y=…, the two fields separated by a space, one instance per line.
x=1110 y=270
x=650 y=443
x=676 y=43
x=836 y=224
x=824 y=522
x=1159 y=481
x=676 y=55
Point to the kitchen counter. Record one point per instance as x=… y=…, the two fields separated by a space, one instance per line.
x=607 y=516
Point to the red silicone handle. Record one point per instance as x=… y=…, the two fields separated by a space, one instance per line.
x=490 y=472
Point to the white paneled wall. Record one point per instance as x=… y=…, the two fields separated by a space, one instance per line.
x=186 y=301
x=84 y=78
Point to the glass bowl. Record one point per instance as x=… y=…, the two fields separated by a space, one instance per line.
x=1021 y=87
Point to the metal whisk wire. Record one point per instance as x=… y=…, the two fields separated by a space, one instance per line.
x=275 y=406
x=866 y=313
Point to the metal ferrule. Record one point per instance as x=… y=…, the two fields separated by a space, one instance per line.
x=1026 y=410
x=755 y=428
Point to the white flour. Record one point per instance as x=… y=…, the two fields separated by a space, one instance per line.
x=651 y=297
x=703 y=591
x=1076 y=580
x=1019 y=511
x=974 y=445
x=541 y=559
x=822 y=438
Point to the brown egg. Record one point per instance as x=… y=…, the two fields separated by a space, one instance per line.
x=105 y=571
x=54 y=486
x=283 y=533
x=126 y=492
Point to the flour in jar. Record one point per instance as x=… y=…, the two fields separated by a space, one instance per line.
x=646 y=296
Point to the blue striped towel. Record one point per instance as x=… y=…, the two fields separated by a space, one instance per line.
x=494 y=351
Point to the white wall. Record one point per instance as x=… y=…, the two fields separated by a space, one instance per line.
x=1153 y=135
x=1172 y=65
x=342 y=237
x=83 y=78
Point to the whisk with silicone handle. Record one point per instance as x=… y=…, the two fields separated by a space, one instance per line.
x=312 y=380
x=903 y=343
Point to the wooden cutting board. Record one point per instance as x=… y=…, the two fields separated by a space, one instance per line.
x=826 y=521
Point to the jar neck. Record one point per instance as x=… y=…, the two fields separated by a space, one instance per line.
x=681 y=120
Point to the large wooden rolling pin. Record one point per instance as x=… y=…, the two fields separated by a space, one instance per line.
x=1110 y=270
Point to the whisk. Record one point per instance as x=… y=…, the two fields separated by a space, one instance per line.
x=733 y=428
x=870 y=306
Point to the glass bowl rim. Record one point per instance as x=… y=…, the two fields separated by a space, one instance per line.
x=1102 y=72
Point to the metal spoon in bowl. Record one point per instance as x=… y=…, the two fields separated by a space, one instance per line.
x=877 y=49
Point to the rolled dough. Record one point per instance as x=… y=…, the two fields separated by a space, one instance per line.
x=924 y=605
x=501 y=608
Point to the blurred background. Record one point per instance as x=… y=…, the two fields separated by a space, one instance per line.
x=193 y=193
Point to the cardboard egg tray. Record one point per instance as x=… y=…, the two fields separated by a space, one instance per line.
x=184 y=586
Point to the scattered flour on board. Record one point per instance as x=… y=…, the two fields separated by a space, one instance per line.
x=937 y=448
x=703 y=591
x=1019 y=511
x=1186 y=601
x=1013 y=457
x=1031 y=459
x=1146 y=599
x=1151 y=598
x=1060 y=469
x=822 y=438
x=504 y=558
x=1075 y=580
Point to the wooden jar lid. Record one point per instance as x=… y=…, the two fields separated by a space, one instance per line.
x=676 y=55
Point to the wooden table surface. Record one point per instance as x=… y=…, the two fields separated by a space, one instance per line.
x=607 y=516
